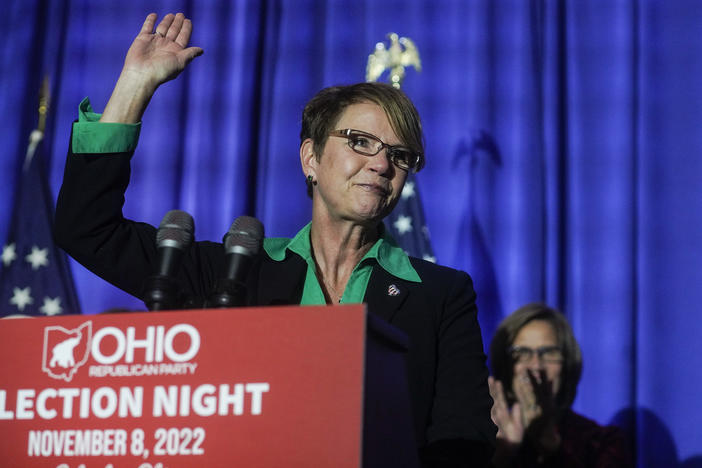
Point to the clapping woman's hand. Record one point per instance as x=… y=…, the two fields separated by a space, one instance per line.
x=510 y=427
x=537 y=402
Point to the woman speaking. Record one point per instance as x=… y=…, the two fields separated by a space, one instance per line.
x=358 y=144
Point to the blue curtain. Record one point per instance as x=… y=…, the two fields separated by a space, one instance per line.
x=563 y=149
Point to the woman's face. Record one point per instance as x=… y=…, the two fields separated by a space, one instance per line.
x=538 y=335
x=352 y=186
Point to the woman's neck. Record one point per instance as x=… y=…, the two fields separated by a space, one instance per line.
x=337 y=248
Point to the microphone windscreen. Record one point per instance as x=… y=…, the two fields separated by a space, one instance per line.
x=245 y=236
x=176 y=230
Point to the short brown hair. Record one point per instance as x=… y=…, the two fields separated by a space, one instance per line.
x=502 y=363
x=324 y=110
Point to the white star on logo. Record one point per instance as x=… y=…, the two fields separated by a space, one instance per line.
x=403 y=224
x=38 y=257
x=21 y=297
x=407 y=191
x=8 y=254
x=429 y=258
x=51 y=306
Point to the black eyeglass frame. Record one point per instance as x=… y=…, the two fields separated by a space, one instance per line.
x=541 y=352
x=392 y=150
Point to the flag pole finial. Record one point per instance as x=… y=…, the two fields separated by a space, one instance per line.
x=401 y=53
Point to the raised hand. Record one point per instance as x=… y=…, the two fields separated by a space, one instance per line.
x=162 y=54
x=155 y=56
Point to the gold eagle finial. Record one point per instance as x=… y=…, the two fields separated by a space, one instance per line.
x=394 y=58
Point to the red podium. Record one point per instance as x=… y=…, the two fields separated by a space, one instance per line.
x=310 y=386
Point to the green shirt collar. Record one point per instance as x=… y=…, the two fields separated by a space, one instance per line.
x=385 y=252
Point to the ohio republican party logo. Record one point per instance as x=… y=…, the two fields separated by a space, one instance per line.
x=66 y=350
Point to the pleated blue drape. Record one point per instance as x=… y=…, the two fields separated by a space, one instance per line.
x=563 y=149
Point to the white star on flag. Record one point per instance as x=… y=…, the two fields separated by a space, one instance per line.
x=407 y=191
x=38 y=257
x=51 y=306
x=403 y=224
x=21 y=297
x=406 y=222
x=8 y=254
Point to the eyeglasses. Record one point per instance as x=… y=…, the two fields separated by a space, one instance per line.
x=370 y=145
x=550 y=354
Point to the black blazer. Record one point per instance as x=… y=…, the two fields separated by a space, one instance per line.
x=446 y=363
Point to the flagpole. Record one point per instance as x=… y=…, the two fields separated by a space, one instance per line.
x=44 y=99
x=38 y=133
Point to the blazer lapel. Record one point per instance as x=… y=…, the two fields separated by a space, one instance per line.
x=281 y=282
x=385 y=293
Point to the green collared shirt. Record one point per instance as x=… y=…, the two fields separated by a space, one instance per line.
x=92 y=136
x=385 y=252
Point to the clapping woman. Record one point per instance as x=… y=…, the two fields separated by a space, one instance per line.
x=536 y=365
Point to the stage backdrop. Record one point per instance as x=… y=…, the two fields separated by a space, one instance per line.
x=563 y=156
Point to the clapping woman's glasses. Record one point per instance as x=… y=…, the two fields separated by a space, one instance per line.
x=545 y=353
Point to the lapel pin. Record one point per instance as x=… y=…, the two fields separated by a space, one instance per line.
x=393 y=290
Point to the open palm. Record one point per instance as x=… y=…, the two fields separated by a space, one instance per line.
x=159 y=56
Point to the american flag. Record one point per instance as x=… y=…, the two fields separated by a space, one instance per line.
x=406 y=223
x=35 y=278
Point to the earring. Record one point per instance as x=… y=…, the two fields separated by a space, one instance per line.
x=311 y=180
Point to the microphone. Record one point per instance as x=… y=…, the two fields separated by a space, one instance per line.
x=174 y=236
x=241 y=245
